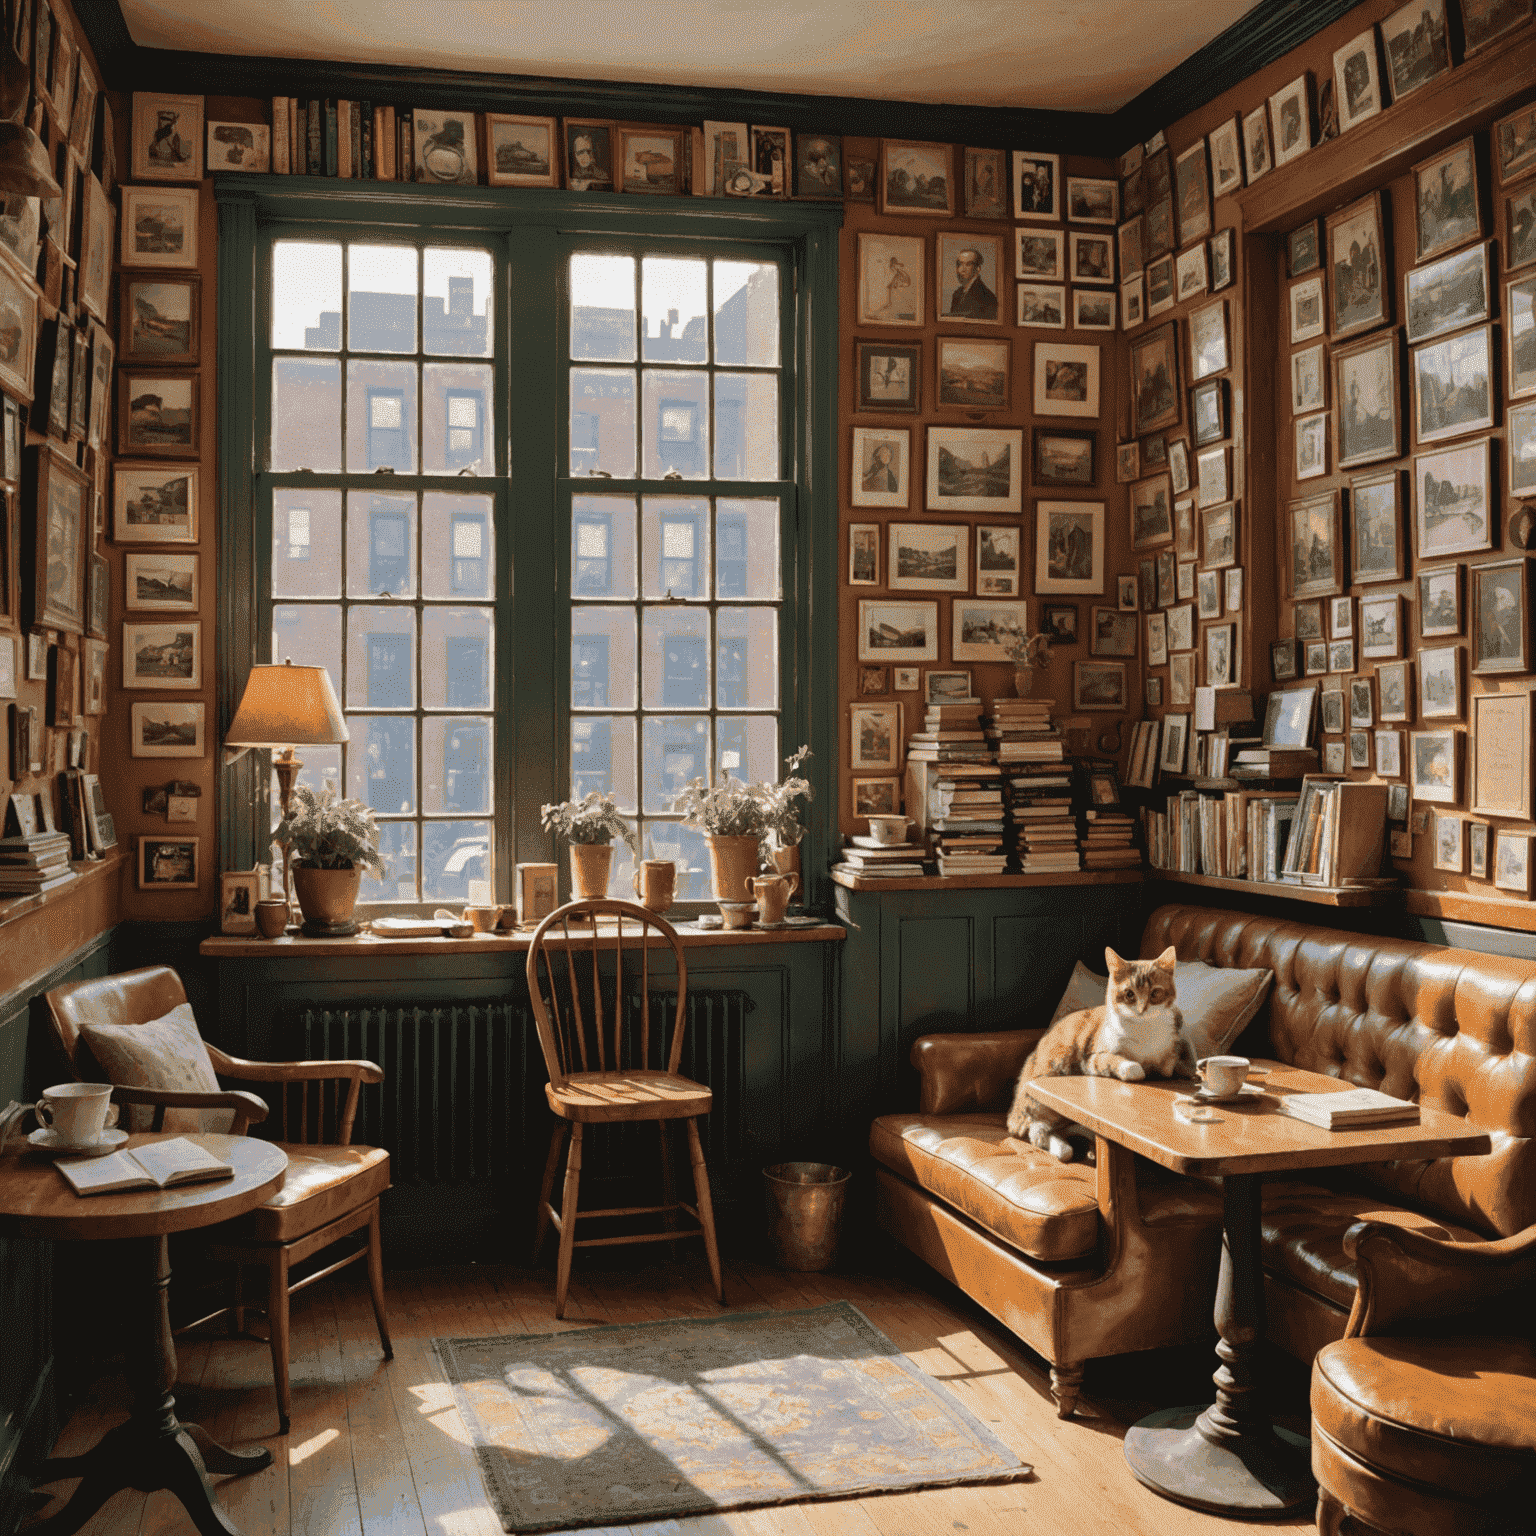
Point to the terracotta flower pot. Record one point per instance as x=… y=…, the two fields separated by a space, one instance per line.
x=590 y=867
x=786 y=861
x=327 y=898
x=733 y=861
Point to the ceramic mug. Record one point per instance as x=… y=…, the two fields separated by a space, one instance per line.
x=738 y=914
x=272 y=917
x=77 y=1113
x=1223 y=1074
x=773 y=893
x=888 y=829
x=655 y=883
x=482 y=919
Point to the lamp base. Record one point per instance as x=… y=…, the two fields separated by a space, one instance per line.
x=344 y=929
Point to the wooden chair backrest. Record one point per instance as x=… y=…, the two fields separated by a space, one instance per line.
x=581 y=1012
x=133 y=997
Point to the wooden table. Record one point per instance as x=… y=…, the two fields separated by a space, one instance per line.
x=1229 y=1457
x=153 y=1449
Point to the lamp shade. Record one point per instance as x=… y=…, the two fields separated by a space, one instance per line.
x=286 y=706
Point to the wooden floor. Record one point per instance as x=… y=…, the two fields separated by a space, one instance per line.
x=378 y=1449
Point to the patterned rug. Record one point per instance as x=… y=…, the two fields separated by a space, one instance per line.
x=607 y=1426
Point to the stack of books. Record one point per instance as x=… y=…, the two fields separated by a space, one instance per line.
x=951 y=733
x=34 y=863
x=1021 y=731
x=1107 y=840
x=965 y=818
x=352 y=140
x=1275 y=762
x=864 y=857
x=1349 y=1109
x=1041 y=812
x=1339 y=834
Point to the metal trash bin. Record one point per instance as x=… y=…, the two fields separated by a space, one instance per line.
x=805 y=1212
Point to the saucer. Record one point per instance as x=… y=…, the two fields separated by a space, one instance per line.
x=783 y=923
x=48 y=1141
x=1203 y=1095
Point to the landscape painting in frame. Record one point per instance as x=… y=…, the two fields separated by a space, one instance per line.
x=1452 y=385
x=159 y=227
x=159 y=317
x=973 y=373
x=1063 y=458
x=167 y=728
x=1452 y=514
x=1446 y=212
x=984 y=630
x=1069 y=547
x=154 y=504
x=896 y=631
x=1154 y=380
x=1098 y=685
x=929 y=556
x=1316 y=559
x=162 y=655
x=1066 y=379
x=1484 y=21
x=1358 y=278
x=1417 y=45
x=1376 y=518
x=916 y=178
x=161 y=581
x=975 y=469
x=521 y=151
x=158 y=414
x=1447 y=294
x=997 y=561
x=1367 y=391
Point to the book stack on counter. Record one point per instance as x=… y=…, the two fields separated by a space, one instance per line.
x=953 y=789
x=1037 y=785
x=1107 y=840
x=1021 y=731
x=864 y=857
x=34 y=863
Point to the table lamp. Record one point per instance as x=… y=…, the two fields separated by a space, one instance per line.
x=284 y=707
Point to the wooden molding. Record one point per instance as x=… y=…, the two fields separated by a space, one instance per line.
x=1492 y=911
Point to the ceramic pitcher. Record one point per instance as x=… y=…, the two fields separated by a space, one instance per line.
x=655 y=882
x=773 y=893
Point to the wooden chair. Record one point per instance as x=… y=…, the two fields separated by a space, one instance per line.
x=600 y=1070
x=332 y=1188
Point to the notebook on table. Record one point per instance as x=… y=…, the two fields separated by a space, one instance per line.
x=155 y=1165
x=1352 y=1107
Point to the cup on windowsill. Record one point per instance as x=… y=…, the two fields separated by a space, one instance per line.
x=271 y=917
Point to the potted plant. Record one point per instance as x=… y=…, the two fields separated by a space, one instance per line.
x=327 y=843
x=1027 y=652
x=589 y=826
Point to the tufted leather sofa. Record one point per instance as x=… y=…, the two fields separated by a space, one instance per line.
x=1081 y=1262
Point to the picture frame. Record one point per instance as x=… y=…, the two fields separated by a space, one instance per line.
x=1213 y=477
x=1208 y=412
x=1099 y=685
x=874 y=681
x=1171 y=754
x=1367 y=390
x=1520 y=337
x=974 y=373
x=1341 y=656
x=928 y=557
x=54 y=543
x=159 y=227
x=1317 y=564
x=1360 y=282
x=1133 y=304
x=1520 y=441
x=79 y=384
x=1440 y=682
x=1127 y=462
x=1112 y=633
x=1181 y=680
x=1334 y=757
x=1307 y=621
x=159 y=654
x=1303 y=251
x=1520 y=228
x=18 y=317
x=1127 y=594
x=864 y=554
x=1226 y=157
x=1066 y=379
x=1040 y=255
x=1036 y=185
x=1157 y=640
x=1065 y=456
x=55 y=355
x=8 y=679
x=1220 y=655
x=103 y=359
x=874 y=736
x=1190 y=276
x=159 y=415
x=1192 y=193
x=998 y=561
x=1501 y=754
x=1091 y=257
x=1178 y=465
x=1417 y=45
x=588 y=153
x=168 y=863
x=1059 y=621
x=946 y=687
x=1389 y=755
x=1160 y=290
x=1447 y=294
x=1512 y=862
x=986 y=184
x=876 y=797
x=1501 y=617
x=1397 y=801
x=1218 y=536
x=1041 y=306
x=1288 y=716
x=1477 y=850
x=1334 y=718
x=1153 y=687
x=904 y=679
x=98 y=241
x=651 y=158
x=1258 y=154
x=1154 y=366
x=916 y=178
x=521 y=151
x=1485 y=21
x=239 y=891
x=1181 y=627
x=724 y=168
x=10 y=562
x=1514 y=144
x=1394 y=690
x=985 y=628
x=892 y=274
x=1308 y=319
x=892 y=631
x=1232 y=580
x=166 y=137
x=1450 y=843
x=975 y=469
x=1208 y=352
x=1357 y=80
x=1283 y=661
x=1167 y=578
x=1093 y=310
x=967 y=278
x=163 y=581
x=21 y=231
x=1381 y=627
x=1453 y=385
x=1311 y=446
x=1315 y=658
x=1291 y=120
x=1093 y=200
x=1360 y=749
x=154 y=504
x=881 y=467
x=1452 y=511
x=98 y=595
x=1362 y=704
x=1309 y=380
x=239 y=147
x=161 y=318
x=1221 y=260
x=1154 y=452
x=1151 y=512
x=888 y=375
x=1069 y=547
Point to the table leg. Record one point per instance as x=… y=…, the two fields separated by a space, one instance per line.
x=153 y=1449
x=1229 y=1457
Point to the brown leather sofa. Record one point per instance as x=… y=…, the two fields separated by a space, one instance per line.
x=1081 y=1262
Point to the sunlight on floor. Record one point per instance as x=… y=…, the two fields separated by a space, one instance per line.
x=298 y=1454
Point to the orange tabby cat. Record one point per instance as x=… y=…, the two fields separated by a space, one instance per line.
x=1137 y=1029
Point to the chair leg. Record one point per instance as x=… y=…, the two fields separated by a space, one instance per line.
x=668 y=1185
x=568 y=1220
x=1066 y=1385
x=237 y=1307
x=706 y=1210
x=547 y=1188
x=277 y=1331
x=376 y=1280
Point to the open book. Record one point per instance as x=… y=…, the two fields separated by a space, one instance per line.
x=155 y=1165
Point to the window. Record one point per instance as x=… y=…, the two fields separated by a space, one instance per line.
x=465 y=429
x=386 y=429
x=298 y=533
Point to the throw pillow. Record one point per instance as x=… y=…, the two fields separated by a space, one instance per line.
x=1218 y=1003
x=165 y=1053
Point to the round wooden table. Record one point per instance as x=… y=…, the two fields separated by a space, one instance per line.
x=152 y=1449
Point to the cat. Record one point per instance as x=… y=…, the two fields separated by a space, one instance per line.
x=1138 y=1028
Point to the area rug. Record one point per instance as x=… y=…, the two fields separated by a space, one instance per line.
x=607 y=1426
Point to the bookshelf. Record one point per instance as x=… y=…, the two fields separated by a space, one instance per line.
x=1288 y=890
x=989 y=882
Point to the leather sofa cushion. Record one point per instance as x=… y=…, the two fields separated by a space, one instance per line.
x=322 y=1183
x=1457 y=1413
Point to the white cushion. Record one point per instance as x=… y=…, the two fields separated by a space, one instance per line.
x=166 y=1053
x=1218 y=1003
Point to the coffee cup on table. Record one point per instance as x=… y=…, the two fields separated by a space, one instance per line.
x=1223 y=1074
x=77 y=1113
x=888 y=829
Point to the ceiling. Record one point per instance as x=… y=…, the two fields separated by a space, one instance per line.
x=1060 y=55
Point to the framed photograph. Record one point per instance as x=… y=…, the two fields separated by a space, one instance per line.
x=881 y=467
x=161 y=581
x=239 y=147
x=1151 y=512
x=874 y=736
x=1042 y=306
x=154 y=504
x=1520 y=319
x=1127 y=594
x=1220 y=655
x=1092 y=201
x=1501 y=754
x=1213 y=479
x=1181 y=680
x=891 y=276
x=1133 y=308
x=1066 y=379
x=1154 y=380
x=1291 y=117
x=1208 y=412
x=966 y=281
x=1069 y=547
x=1315 y=658
x=1181 y=627
x=1099 y=685
x=18 y=320
x=1367 y=390
x=1226 y=158
x=1477 y=842
x=1064 y=456
x=650 y=161
x=1036 y=185
x=1335 y=759
x=1357 y=80
x=1501 y=617
x=1092 y=311
x=1167 y=578
x=1381 y=627
x=1452 y=510
x=876 y=797
x=1303 y=253
x=1317 y=564
x=103 y=355
x=1440 y=683
x=973 y=372
x=159 y=227
x=1157 y=639
x=1341 y=655
x=984 y=630
x=167 y=137
x=1039 y=255
x=895 y=631
x=1307 y=621
x=986 y=184
x=160 y=318
x=1360 y=749
x=1256 y=143
x=1311 y=446
x=1172 y=754
x=1452 y=385
x=1309 y=380
x=163 y=655
x=1192 y=188
x=1358 y=276
x=1362 y=703
x=1447 y=294
x=521 y=151
x=1394 y=690
x=863 y=554
x=975 y=469
x=239 y=891
x=1283 y=660
x=916 y=178
x=589 y=159
x=1514 y=144
x=1190 y=272
x=1417 y=45
x=874 y=681
x=1306 y=303
x=1113 y=633
x=929 y=557
x=1334 y=716
x=947 y=687
x=168 y=863
x=1127 y=462
x=1059 y=621
x=887 y=374
x=1512 y=862
x=1520 y=436
x=1160 y=294
x=158 y=414
x=1178 y=465
x=1091 y=257
x=1218 y=536
x=54 y=546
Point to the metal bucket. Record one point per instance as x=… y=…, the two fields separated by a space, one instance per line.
x=805 y=1212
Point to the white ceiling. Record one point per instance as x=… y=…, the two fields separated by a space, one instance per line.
x=1056 y=54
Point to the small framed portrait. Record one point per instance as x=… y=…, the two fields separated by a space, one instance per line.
x=1501 y=754
x=1359 y=277
x=588 y=152
x=160 y=581
x=239 y=147
x=874 y=681
x=1113 y=633
x=1154 y=380
x=1501 y=617
x=1099 y=685
x=1039 y=255
x=1181 y=680
x=1341 y=655
x=1226 y=158
x=891 y=279
x=1394 y=690
x=975 y=469
x=1357 y=80
x=239 y=891
x=858 y=177
x=1360 y=749
x=159 y=414
x=161 y=318
x=874 y=736
x=1512 y=862
x=1309 y=380
x=1290 y=114
x=904 y=679
x=1218 y=536
x=1091 y=200
x=521 y=151
x=1446 y=294
x=986 y=184
x=1127 y=462
x=1440 y=683
x=1520 y=318
x=1452 y=509
x=168 y=863
x=997 y=561
x=1208 y=412
x=1133 y=304
x=1220 y=655
x=163 y=655
x=1381 y=624
x=1208 y=340
x=1042 y=306
x=1306 y=306
x=898 y=631
x=1127 y=591
x=1389 y=755
x=1091 y=257
x=974 y=372
x=1362 y=704
x=1069 y=547
x=1192 y=188
x=1452 y=385
x=1257 y=152
x=1059 y=621
x=876 y=797
x=1151 y=512
x=1178 y=465
x=1303 y=253
x=1335 y=758
x=1160 y=294
x=984 y=630
x=53 y=583
x=1190 y=276
x=1175 y=739
x=1157 y=639
x=1092 y=310
x=863 y=554
x=947 y=687
x=1167 y=578
x=916 y=178
x=167 y=137
x=928 y=557
x=1311 y=446
x=888 y=375
x=819 y=166
x=159 y=227
x=1181 y=627
x=1314 y=661
x=1213 y=477
x=1036 y=185
x=881 y=467
x=1064 y=457
x=1154 y=691
x=1233 y=582
x=1334 y=716
x=650 y=157
x=1317 y=556
x=965 y=279
x=1367 y=390
x=1066 y=379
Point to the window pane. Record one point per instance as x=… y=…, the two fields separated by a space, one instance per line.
x=456 y=765
x=397 y=845
x=675 y=659
x=746 y=314
x=457 y=309
x=602 y=658
x=675 y=547
x=306 y=414
x=747 y=658
x=381 y=314
x=458 y=405
x=676 y=424
x=603 y=308
x=381 y=416
x=306 y=296
x=603 y=421
x=747 y=548
x=458 y=551
x=381 y=545
x=685 y=847
x=454 y=853
x=456 y=658
x=676 y=750
x=381 y=658
x=749 y=747
x=308 y=635
x=602 y=546
x=381 y=762
x=306 y=543
x=746 y=426
x=603 y=758
x=676 y=330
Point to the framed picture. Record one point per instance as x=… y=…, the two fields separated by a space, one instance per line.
x=1127 y=462
x=1092 y=311
x=158 y=414
x=1099 y=685
x=1066 y=379
x=928 y=557
x=1514 y=144
x=1440 y=683
x=1311 y=446
x=1213 y=480
x=1520 y=436
x=1501 y=754
x=1069 y=547
x=1291 y=117
x=1381 y=621
x=1181 y=680
x=891 y=276
x=154 y=504
x=876 y=797
x=103 y=355
x=770 y=173
x=1357 y=266
x=159 y=227
x=1154 y=452
x=1452 y=385
x=1157 y=639
x=1039 y=255
x=1288 y=716
x=1208 y=412
x=1154 y=380
x=168 y=863
x=1226 y=158
x=1394 y=690
x=589 y=157
x=1317 y=565
x=55 y=545
x=1178 y=465
x=239 y=891
x=973 y=373
x=984 y=630
x=1218 y=536
x=1181 y=627
x=1233 y=582
x=1309 y=380
x=163 y=655
x=1450 y=843
x=1483 y=21
x=521 y=151
x=997 y=561
x=79 y=383
x=1362 y=703
x=1221 y=260
x=18 y=319
x=1389 y=755
x=98 y=596
x=1512 y=862
x=1447 y=294
x=974 y=469
x=888 y=373
x=1520 y=228
x=1063 y=456
x=10 y=570
x=1208 y=340
x=874 y=736
x=1306 y=304
x=1303 y=253
x=874 y=681
x=1315 y=658
x=916 y=178
x=986 y=184
x=160 y=318
x=1160 y=294
x=1357 y=80
x=1092 y=201
x=1283 y=660
x=1126 y=586
x=1167 y=578
x=98 y=238
x=1151 y=512
x=1220 y=655
x=1175 y=736
x=1091 y=257
x=1256 y=143
x=240 y=147
x=1367 y=390
x=162 y=581
x=1520 y=318
x=725 y=169
x=167 y=137
x=966 y=281
x=8 y=668
x=896 y=631
x=1307 y=621
x=1341 y=655
x=1477 y=843
x=1133 y=309
x=1416 y=44
x=1036 y=185
x=1042 y=306
x=1360 y=749
x=55 y=354
x=946 y=687
x=651 y=158
x=1452 y=514
x=863 y=554
x=1113 y=633
x=1192 y=188
x=1190 y=275
x=1059 y=621
x=1501 y=617
x=881 y=467
x=1334 y=714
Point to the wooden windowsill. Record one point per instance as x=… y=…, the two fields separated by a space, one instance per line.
x=1288 y=890
x=986 y=882
x=87 y=872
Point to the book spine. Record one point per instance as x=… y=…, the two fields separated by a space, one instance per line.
x=355 y=130
x=407 y=147
x=315 y=123
x=344 y=140
x=280 y=135
x=295 y=137
x=391 y=146
x=365 y=143
x=332 y=156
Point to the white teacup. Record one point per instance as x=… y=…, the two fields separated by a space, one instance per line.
x=77 y=1113
x=888 y=829
x=1224 y=1074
